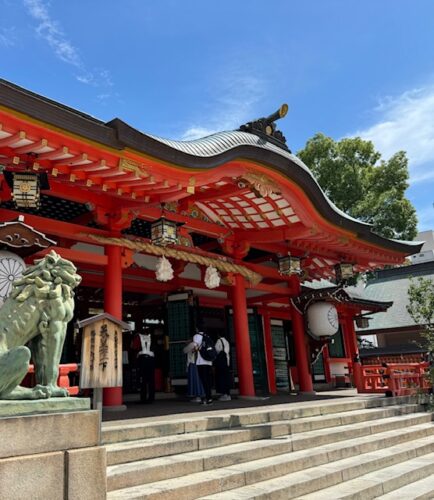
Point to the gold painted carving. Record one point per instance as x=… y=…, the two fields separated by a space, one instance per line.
x=260 y=184
x=191 y=185
x=127 y=165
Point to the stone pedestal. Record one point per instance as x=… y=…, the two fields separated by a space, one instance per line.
x=52 y=456
x=21 y=407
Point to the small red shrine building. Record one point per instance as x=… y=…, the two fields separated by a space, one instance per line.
x=243 y=200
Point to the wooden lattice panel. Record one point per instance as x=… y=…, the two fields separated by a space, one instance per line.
x=246 y=210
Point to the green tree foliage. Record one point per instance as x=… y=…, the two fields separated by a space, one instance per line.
x=359 y=182
x=421 y=309
x=421 y=302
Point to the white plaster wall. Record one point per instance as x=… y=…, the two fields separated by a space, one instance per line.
x=338 y=369
x=86 y=247
x=428 y=238
x=191 y=271
x=148 y=262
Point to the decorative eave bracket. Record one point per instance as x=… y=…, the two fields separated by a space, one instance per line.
x=20 y=236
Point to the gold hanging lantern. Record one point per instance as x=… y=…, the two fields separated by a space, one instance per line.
x=26 y=190
x=362 y=321
x=26 y=187
x=289 y=265
x=164 y=232
x=344 y=272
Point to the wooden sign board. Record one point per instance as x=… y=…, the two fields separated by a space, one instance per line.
x=101 y=353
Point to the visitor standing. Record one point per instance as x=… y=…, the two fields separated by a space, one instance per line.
x=204 y=367
x=194 y=384
x=146 y=362
x=222 y=370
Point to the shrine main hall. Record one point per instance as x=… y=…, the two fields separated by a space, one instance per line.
x=229 y=233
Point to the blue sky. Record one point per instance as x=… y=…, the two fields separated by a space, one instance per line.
x=185 y=68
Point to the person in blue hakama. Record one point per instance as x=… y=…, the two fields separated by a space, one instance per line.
x=194 y=388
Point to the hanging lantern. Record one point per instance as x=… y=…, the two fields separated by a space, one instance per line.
x=164 y=232
x=212 y=277
x=26 y=190
x=289 y=265
x=26 y=187
x=322 y=318
x=344 y=272
x=362 y=322
x=164 y=270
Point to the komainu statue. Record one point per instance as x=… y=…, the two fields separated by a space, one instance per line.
x=33 y=323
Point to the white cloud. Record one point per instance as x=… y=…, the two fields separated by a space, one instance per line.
x=50 y=30
x=7 y=37
x=406 y=123
x=98 y=78
x=233 y=105
x=103 y=97
x=425 y=217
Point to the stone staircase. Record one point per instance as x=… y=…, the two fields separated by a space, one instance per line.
x=358 y=449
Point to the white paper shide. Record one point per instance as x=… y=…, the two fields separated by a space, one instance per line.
x=164 y=270
x=212 y=277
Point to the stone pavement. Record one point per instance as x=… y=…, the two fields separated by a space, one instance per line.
x=166 y=405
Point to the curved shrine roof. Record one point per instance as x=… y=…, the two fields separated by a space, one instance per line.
x=236 y=179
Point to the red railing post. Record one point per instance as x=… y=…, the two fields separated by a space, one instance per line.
x=62 y=380
x=399 y=379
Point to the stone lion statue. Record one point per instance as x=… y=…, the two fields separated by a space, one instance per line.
x=33 y=323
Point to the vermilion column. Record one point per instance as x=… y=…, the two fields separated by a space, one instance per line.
x=326 y=359
x=304 y=375
x=268 y=341
x=242 y=338
x=348 y=348
x=347 y=343
x=350 y=332
x=112 y=396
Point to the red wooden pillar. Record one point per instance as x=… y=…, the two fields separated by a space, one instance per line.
x=271 y=370
x=242 y=338
x=112 y=396
x=326 y=359
x=350 y=332
x=347 y=346
x=345 y=335
x=304 y=375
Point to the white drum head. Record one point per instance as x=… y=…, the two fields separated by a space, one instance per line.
x=12 y=267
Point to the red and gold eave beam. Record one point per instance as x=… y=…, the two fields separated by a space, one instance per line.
x=82 y=170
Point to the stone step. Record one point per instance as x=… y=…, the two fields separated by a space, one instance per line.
x=144 y=430
x=306 y=480
x=412 y=479
x=170 y=445
x=320 y=437
x=417 y=490
x=301 y=411
x=347 y=478
x=115 y=433
x=161 y=447
x=141 y=472
x=344 y=418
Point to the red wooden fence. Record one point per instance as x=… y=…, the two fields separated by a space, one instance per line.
x=400 y=379
x=62 y=380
